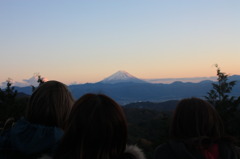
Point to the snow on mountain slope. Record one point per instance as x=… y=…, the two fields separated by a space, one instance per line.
x=120 y=77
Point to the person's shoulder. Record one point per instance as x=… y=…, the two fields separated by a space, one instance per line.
x=164 y=151
x=237 y=150
x=134 y=151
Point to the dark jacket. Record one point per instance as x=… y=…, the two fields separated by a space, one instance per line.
x=178 y=150
x=26 y=140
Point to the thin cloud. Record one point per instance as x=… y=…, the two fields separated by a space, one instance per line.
x=32 y=81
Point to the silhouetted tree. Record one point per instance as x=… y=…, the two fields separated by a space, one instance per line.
x=40 y=81
x=226 y=105
x=9 y=94
x=11 y=106
x=221 y=89
x=7 y=99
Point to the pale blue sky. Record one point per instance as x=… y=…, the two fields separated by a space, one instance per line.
x=86 y=41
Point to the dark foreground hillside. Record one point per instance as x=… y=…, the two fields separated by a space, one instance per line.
x=148 y=122
x=147 y=128
x=167 y=106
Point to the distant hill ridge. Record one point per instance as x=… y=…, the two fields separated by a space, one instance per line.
x=125 y=88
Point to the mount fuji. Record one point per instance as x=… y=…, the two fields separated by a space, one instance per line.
x=121 y=77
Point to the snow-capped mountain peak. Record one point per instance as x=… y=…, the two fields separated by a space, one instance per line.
x=120 y=77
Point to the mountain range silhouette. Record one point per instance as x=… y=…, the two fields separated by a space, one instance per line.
x=126 y=88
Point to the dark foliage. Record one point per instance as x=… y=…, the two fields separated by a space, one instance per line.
x=40 y=81
x=12 y=103
x=167 y=106
x=147 y=128
x=226 y=105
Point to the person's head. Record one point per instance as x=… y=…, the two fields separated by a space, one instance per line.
x=195 y=118
x=97 y=128
x=50 y=105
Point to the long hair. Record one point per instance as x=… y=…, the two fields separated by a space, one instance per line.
x=50 y=105
x=97 y=130
x=196 y=119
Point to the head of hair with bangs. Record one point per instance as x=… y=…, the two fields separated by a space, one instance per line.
x=50 y=105
x=97 y=129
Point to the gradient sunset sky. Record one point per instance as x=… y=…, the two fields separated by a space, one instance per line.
x=87 y=40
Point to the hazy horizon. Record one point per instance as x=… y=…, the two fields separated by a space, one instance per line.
x=33 y=80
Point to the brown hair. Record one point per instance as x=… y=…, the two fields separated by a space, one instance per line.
x=97 y=129
x=50 y=104
x=195 y=118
